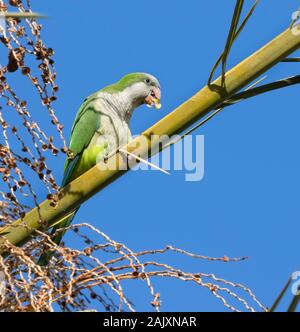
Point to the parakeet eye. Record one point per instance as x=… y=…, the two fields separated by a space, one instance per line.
x=148 y=81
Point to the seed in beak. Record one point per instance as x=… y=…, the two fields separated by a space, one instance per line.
x=153 y=99
x=157 y=104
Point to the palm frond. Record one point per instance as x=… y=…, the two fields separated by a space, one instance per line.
x=21 y=15
x=283 y=83
x=234 y=32
x=250 y=92
x=280 y=296
x=294 y=304
x=291 y=60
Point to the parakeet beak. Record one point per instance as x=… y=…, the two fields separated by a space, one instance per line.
x=154 y=99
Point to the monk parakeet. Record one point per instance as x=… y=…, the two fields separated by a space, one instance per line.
x=101 y=126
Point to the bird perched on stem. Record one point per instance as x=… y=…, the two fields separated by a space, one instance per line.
x=100 y=127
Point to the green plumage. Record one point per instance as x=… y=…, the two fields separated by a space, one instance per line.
x=86 y=123
x=115 y=104
x=124 y=82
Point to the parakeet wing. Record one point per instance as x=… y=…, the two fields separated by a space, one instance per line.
x=86 y=123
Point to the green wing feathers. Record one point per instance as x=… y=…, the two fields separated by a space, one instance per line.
x=86 y=124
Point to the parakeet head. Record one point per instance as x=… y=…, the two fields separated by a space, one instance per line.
x=139 y=88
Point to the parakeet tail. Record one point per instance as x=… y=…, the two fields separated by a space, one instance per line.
x=45 y=257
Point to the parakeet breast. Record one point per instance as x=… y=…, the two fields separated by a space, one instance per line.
x=113 y=133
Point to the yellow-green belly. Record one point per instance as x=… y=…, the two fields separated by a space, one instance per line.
x=88 y=159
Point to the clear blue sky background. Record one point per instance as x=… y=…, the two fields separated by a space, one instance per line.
x=248 y=202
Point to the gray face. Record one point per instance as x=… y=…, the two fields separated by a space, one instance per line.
x=145 y=90
x=151 y=81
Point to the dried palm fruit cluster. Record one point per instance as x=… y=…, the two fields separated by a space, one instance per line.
x=25 y=64
x=95 y=276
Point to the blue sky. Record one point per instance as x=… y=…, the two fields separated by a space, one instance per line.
x=247 y=203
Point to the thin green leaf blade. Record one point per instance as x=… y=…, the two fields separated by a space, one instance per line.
x=280 y=296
